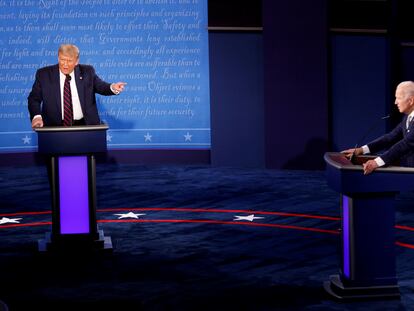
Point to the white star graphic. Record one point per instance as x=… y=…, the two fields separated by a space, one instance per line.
x=187 y=137
x=148 y=137
x=26 y=140
x=129 y=215
x=6 y=220
x=248 y=218
x=108 y=137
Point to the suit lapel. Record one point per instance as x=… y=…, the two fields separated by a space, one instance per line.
x=79 y=86
x=55 y=84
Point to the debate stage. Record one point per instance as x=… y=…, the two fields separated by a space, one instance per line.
x=186 y=238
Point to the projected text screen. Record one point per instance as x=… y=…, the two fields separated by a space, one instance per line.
x=159 y=47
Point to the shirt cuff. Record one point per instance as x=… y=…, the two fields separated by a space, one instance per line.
x=114 y=91
x=37 y=116
x=379 y=161
x=365 y=149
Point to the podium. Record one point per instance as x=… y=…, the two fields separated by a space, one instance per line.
x=70 y=153
x=367 y=228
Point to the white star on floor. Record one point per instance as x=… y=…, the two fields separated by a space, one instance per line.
x=26 y=140
x=187 y=137
x=129 y=215
x=148 y=137
x=248 y=218
x=6 y=220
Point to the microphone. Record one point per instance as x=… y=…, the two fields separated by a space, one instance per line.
x=68 y=77
x=373 y=126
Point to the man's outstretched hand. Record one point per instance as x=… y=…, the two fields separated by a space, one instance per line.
x=118 y=87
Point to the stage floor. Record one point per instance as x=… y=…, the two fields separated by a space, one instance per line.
x=189 y=238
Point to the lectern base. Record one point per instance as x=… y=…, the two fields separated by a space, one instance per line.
x=336 y=288
x=74 y=244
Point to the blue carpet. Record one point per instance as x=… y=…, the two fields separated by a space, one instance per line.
x=188 y=250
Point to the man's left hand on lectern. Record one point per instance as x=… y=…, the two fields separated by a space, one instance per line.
x=369 y=166
x=37 y=122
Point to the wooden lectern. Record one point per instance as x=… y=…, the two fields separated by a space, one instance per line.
x=72 y=173
x=368 y=220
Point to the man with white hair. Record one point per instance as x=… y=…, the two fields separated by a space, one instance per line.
x=64 y=94
x=399 y=143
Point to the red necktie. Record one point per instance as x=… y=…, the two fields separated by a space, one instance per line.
x=67 y=103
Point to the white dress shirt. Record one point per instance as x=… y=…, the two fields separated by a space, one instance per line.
x=77 y=110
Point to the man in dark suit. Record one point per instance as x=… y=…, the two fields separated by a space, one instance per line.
x=46 y=100
x=399 y=143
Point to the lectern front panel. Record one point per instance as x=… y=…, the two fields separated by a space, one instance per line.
x=346 y=236
x=73 y=194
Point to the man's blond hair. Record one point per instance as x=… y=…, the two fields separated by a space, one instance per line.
x=69 y=49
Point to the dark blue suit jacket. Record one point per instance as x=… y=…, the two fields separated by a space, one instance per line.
x=398 y=145
x=45 y=99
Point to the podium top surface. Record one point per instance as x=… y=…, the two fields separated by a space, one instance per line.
x=71 y=128
x=69 y=140
x=340 y=162
x=348 y=178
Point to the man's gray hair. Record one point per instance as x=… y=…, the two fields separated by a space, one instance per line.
x=69 y=49
x=407 y=87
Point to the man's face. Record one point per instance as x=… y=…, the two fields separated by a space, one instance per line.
x=404 y=103
x=67 y=63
